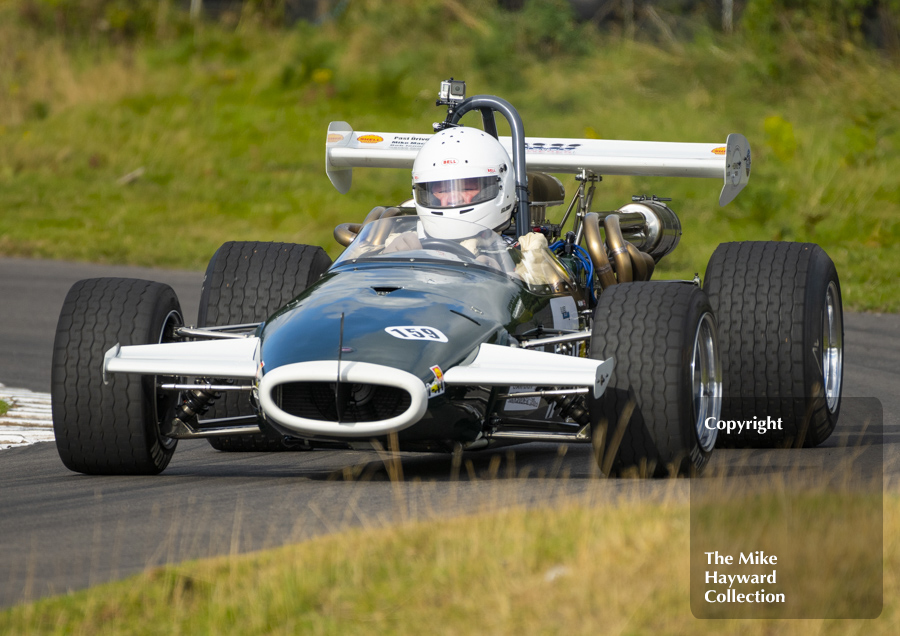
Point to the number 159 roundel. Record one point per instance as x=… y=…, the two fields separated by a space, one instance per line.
x=417 y=333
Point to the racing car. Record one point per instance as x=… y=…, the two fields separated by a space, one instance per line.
x=466 y=318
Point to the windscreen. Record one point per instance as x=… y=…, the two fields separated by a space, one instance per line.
x=409 y=239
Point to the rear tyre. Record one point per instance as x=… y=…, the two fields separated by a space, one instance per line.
x=111 y=428
x=247 y=282
x=666 y=382
x=782 y=331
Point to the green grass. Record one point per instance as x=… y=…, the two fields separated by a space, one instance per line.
x=227 y=127
x=579 y=569
x=4 y=407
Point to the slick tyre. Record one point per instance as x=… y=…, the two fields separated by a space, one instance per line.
x=111 y=426
x=781 y=329
x=666 y=381
x=247 y=282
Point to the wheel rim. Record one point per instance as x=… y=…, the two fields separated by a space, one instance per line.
x=706 y=381
x=165 y=401
x=832 y=347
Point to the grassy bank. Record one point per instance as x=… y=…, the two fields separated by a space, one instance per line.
x=578 y=570
x=157 y=150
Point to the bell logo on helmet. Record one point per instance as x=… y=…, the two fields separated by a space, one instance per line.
x=450 y=162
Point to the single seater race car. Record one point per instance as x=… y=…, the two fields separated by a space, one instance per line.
x=432 y=332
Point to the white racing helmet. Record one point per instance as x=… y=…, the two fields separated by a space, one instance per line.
x=463 y=173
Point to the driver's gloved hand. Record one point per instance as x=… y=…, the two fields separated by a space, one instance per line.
x=403 y=243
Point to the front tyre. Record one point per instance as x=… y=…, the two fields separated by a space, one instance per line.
x=247 y=282
x=111 y=428
x=781 y=319
x=666 y=384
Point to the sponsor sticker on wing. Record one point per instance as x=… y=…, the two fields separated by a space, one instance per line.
x=719 y=151
x=427 y=334
x=370 y=139
x=407 y=142
x=333 y=138
x=552 y=148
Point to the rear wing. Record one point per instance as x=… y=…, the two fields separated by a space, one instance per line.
x=346 y=149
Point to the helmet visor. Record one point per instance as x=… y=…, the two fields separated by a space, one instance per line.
x=456 y=193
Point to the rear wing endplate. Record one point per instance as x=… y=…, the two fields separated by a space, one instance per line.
x=346 y=149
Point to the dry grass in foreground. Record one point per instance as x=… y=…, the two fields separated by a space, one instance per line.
x=574 y=570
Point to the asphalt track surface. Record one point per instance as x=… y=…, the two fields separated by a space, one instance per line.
x=62 y=531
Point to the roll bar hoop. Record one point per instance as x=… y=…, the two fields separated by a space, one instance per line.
x=487 y=104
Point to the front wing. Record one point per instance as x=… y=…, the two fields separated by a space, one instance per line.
x=491 y=366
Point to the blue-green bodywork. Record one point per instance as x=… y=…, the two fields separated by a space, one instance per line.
x=470 y=304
